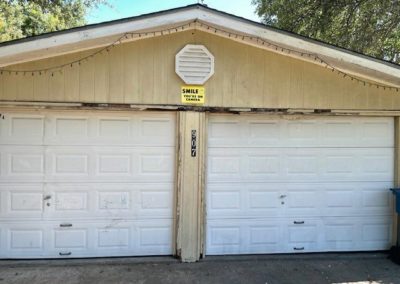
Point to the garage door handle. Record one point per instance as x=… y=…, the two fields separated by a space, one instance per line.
x=298 y=248
x=47 y=197
x=65 y=253
x=298 y=222
x=65 y=225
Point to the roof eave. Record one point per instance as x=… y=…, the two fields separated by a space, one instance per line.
x=59 y=43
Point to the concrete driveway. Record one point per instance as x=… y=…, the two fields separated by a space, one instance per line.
x=312 y=268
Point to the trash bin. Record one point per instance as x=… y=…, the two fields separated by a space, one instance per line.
x=396 y=191
x=394 y=253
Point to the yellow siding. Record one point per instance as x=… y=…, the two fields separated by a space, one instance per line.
x=143 y=72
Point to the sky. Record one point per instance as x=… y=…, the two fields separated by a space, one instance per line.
x=129 y=8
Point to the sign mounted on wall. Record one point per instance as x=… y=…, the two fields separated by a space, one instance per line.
x=193 y=149
x=193 y=95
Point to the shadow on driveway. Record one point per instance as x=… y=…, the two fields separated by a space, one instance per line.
x=357 y=268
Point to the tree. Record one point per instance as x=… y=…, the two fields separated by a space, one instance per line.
x=366 y=26
x=22 y=18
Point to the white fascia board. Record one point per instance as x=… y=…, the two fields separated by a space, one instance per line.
x=52 y=45
x=345 y=61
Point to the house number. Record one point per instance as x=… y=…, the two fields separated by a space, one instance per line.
x=193 y=144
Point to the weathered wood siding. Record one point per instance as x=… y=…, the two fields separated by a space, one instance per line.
x=142 y=72
x=190 y=185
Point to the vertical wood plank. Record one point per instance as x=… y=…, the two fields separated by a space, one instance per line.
x=41 y=84
x=146 y=73
x=295 y=86
x=312 y=97
x=25 y=83
x=86 y=80
x=131 y=71
x=228 y=85
x=396 y=100
x=160 y=70
x=56 y=81
x=386 y=99
x=116 y=81
x=255 y=58
x=243 y=83
x=175 y=43
x=101 y=78
x=271 y=74
x=190 y=186
x=213 y=90
x=71 y=77
x=355 y=96
x=10 y=86
x=373 y=99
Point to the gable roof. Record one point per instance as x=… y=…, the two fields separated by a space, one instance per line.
x=100 y=35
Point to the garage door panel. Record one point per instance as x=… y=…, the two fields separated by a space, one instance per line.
x=119 y=200
x=262 y=131
x=22 y=239
x=112 y=129
x=240 y=200
x=69 y=203
x=303 y=236
x=232 y=200
x=22 y=129
x=82 y=239
x=359 y=233
x=299 y=165
x=264 y=237
x=67 y=162
x=289 y=235
x=21 y=201
x=90 y=164
x=224 y=238
x=322 y=181
x=241 y=236
x=20 y=163
x=75 y=239
x=302 y=200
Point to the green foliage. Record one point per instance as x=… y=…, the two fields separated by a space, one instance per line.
x=21 y=18
x=368 y=26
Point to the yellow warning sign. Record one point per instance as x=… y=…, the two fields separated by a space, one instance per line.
x=192 y=95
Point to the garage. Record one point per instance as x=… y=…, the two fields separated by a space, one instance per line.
x=193 y=132
x=84 y=184
x=298 y=184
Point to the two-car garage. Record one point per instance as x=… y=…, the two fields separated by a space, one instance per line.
x=89 y=184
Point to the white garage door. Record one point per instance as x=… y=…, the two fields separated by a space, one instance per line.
x=309 y=185
x=86 y=184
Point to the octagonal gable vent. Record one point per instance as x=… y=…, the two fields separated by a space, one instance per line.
x=194 y=64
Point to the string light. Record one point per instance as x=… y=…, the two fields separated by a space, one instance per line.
x=195 y=25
